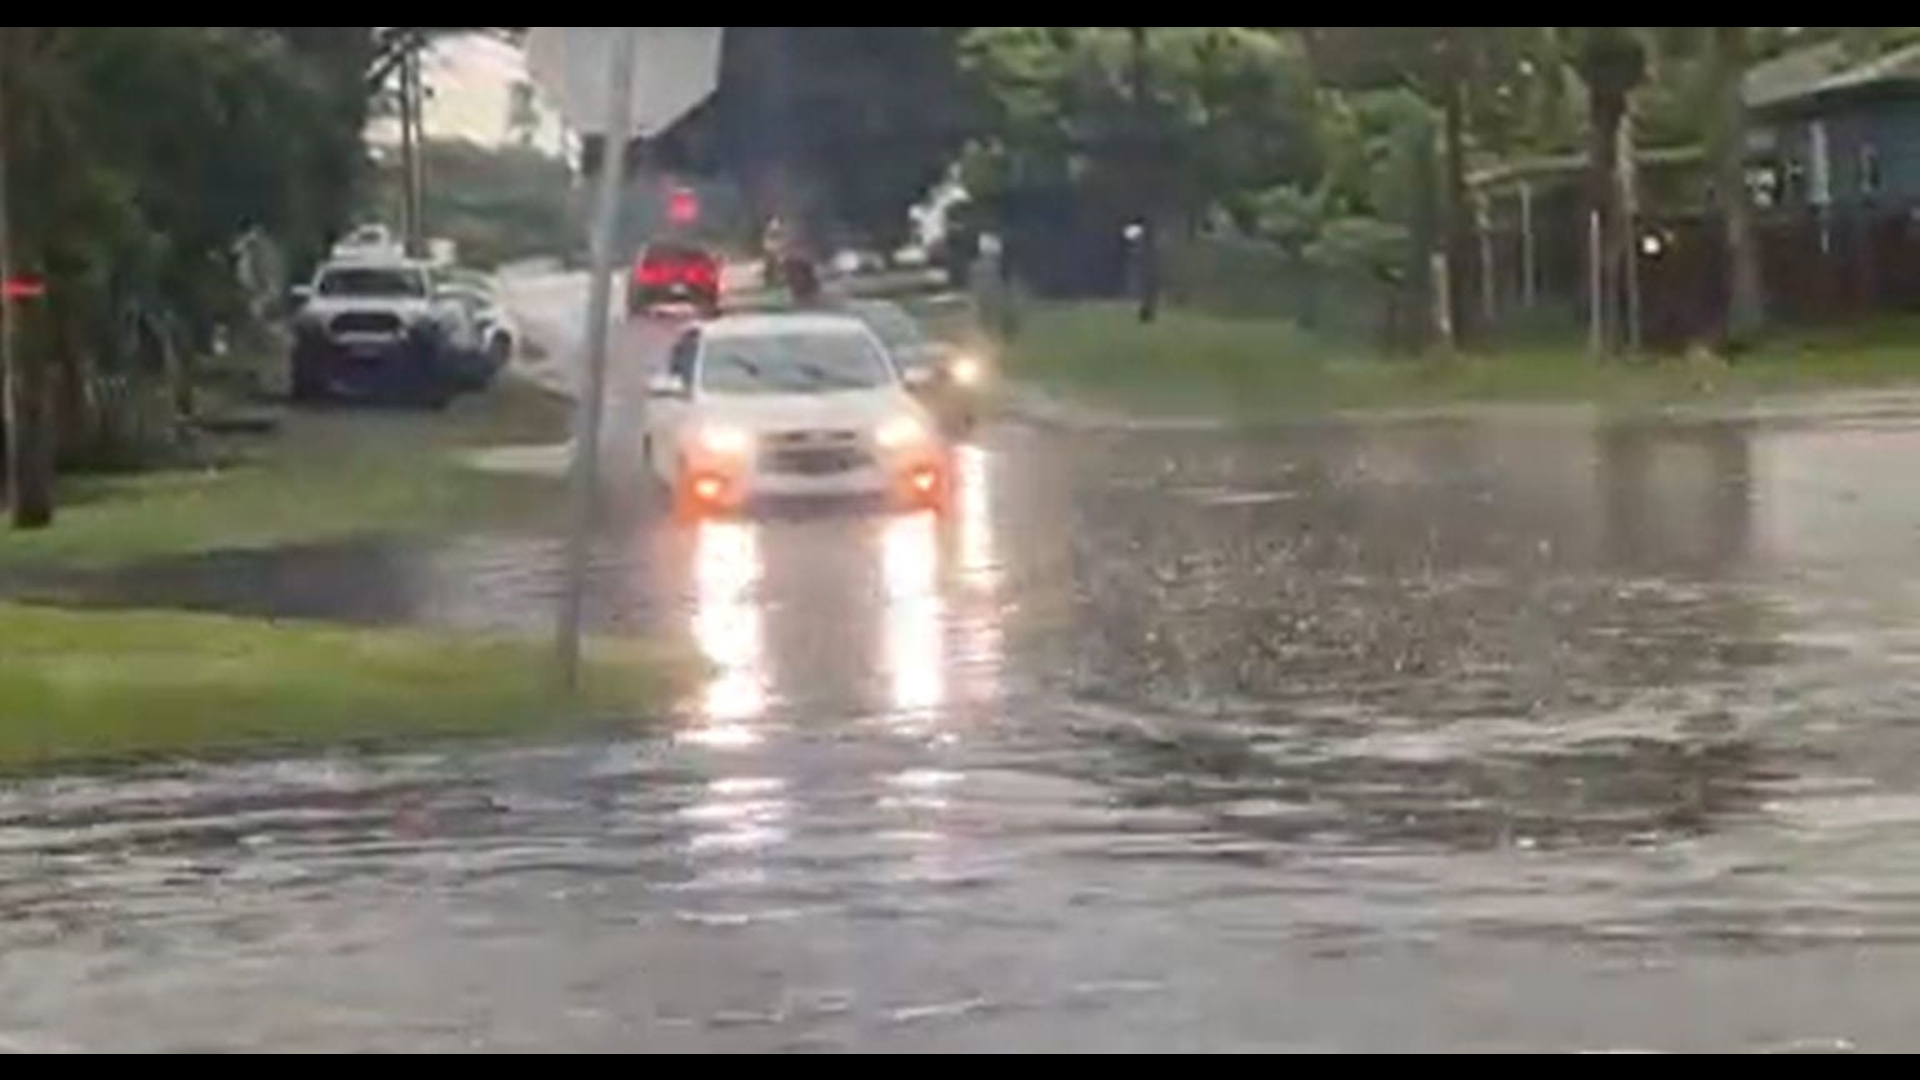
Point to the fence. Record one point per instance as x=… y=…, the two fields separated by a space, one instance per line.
x=1243 y=278
x=1819 y=268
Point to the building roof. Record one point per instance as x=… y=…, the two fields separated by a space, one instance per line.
x=1821 y=72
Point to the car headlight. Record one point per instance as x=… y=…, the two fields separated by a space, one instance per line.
x=902 y=433
x=726 y=442
x=968 y=371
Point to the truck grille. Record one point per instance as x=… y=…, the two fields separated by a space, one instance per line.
x=815 y=453
x=816 y=462
x=366 y=324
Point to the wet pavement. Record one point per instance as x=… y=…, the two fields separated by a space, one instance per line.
x=1502 y=735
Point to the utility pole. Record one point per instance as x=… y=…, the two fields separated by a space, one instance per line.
x=10 y=481
x=621 y=76
x=597 y=77
x=412 y=151
x=1147 y=251
x=28 y=480
x=417 y=180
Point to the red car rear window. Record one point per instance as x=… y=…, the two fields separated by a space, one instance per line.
x=675 y=257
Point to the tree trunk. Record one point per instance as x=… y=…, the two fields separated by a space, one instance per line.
x=1746 y=283
x=28 y=450
x=1424 y=296
x=1454 y=230
x=1148 y=195
x=70 y=393
x=1613 y=63
x=1626 y=255
x=1608 y=113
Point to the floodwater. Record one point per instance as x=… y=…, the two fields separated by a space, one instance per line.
x=1519 y=734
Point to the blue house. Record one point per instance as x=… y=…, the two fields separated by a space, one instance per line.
x=1836 y=133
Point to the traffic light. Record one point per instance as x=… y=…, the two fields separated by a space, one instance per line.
x=683 y=207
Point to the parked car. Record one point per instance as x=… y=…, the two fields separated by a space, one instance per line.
x=855 y=263
x=381 y=330
x=496 y=337
x=955 y=383
x=674 y=275
x=369 y=242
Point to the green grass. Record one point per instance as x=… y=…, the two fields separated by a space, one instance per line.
x=1252 y=368
x=86 y=687
x=326 y=475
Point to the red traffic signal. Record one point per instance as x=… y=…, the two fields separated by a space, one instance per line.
x=683 y=206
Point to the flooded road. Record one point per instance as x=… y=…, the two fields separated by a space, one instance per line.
x=1507 y=735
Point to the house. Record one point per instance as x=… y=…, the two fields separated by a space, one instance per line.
x=1833 y=131
x=1834 y=167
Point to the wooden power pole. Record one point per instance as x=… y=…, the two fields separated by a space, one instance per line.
x=29 y=462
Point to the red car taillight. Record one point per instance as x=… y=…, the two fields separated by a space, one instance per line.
x=663 y=275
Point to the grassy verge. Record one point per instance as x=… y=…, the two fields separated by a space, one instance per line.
x=325 y=475
x=102 y=687
x=1252 y=368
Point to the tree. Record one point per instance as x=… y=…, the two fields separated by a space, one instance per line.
x=845 y=126
x=1730 y=51
x=1091 y=134
x=192 y=137
x=499 y=205
x=1230 y=111
x=1481 y=81
x=145 y=153
x=1612 y=61
x=349 y=69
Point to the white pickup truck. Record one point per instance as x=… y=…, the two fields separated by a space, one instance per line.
x=391 y=329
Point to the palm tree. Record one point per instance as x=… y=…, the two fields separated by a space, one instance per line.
x=1612 y=60
x=1729 y=50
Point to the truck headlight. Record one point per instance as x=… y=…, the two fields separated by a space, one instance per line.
x=726 y=442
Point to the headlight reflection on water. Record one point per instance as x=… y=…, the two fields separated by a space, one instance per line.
x=935 y=607
x=730 y=631
x=913 y=625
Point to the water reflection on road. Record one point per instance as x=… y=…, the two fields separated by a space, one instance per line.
x=1504 y=735
x=729 y=626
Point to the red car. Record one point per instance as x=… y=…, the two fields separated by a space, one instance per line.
x=670 y=275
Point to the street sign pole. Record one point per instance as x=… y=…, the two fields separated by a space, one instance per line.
x=628 y=81
x=592 y=404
